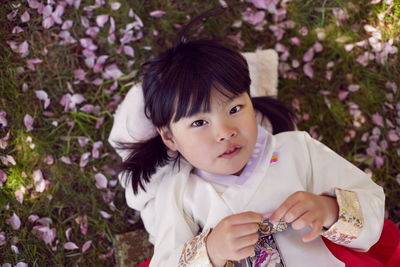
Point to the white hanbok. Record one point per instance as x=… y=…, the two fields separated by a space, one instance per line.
x=180 y=207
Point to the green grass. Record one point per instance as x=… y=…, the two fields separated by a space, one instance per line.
x=72 y=192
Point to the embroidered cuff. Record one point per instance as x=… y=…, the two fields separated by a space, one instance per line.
x=350 y=221
x=194 y=252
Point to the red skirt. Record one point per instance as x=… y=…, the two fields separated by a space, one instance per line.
x=385 y=253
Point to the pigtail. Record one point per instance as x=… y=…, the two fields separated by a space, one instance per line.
x=280 y=116
x=144 y=158
x=183 y=35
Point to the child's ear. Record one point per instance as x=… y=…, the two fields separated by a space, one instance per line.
x=167 y=137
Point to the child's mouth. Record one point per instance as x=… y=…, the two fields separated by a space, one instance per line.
x=231 y=152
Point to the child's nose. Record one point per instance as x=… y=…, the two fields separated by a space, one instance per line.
x=225 y=132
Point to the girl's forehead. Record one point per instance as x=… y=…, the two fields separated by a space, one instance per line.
x=223 y=98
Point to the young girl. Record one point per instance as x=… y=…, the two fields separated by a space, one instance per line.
x=215 y=188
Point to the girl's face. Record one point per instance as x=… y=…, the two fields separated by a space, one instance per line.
x=220 y=141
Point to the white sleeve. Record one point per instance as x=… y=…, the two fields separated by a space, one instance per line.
x=360 y=200
x=177 y=240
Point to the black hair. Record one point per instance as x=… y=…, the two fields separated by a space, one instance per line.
x=178 y=83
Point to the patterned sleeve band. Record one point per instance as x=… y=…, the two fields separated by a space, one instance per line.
x=194 y=252
x=350 y=221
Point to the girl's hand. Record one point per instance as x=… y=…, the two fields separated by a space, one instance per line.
x=233 y=238
x=304 y=208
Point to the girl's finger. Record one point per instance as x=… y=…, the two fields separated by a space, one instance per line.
x=315 y=231
x=244 y=253
x=246 y=241
x=246 y=217
x=297 y=210
x=241 y=230
x=307 y=218
x=281 y=211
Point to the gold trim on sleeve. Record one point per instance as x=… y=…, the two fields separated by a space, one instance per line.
x=194 y=252
x=350 y=221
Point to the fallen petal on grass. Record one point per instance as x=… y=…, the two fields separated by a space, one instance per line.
x=101 y=181
x=105 y=214
x=14 y=221
x=70 y=246
x=86 y=246
x=157 y=13
x=28 y=122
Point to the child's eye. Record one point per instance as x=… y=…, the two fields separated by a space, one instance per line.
x=235 y=109
x=199 y=123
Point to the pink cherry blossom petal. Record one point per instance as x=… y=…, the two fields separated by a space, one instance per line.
x=23 y=49
x=32 y=62
x=309 y=55
x=77 y=3
x=57 y=14
x=128 y=50
x=348 y=47
x=48 y=22
x=83 y=140
x=15 y=250
x=19 y=194
x=307 y=69
x=28 y=122
x=99 y=122
x=42 y=95
x=101 y=180
x=157 y=13
x=3 y=178
x=105 y=214
x=3 y=120
x=14 y=221
x=66 y=160
x=318 y=47
x=95 y=150
x=391 y=85
x=33 y=4
x=2 y=239
x=377 y=119
x=353 y=87
x=303 y=31
x=67 y=25
x=70 y=246
x=32 y=218
x=101 y=20
x=253 y=18
x=379 y=161
x=39 y=181
x=393 y=136
x=80 y=74
x=87 y=108
x=112 y=71
x=17 y=29
x=295 y=41
x=343 y=95
x=85 y=22
x=93 y=31
x=12 y=14
x=86 y=246
x=68 y=233
x=77 y=99
x=112 y=183
x=84 y=159
x=115 y=5
x=25 y=17
x=269 y=5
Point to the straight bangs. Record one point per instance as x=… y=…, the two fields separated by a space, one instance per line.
x=196 y=69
